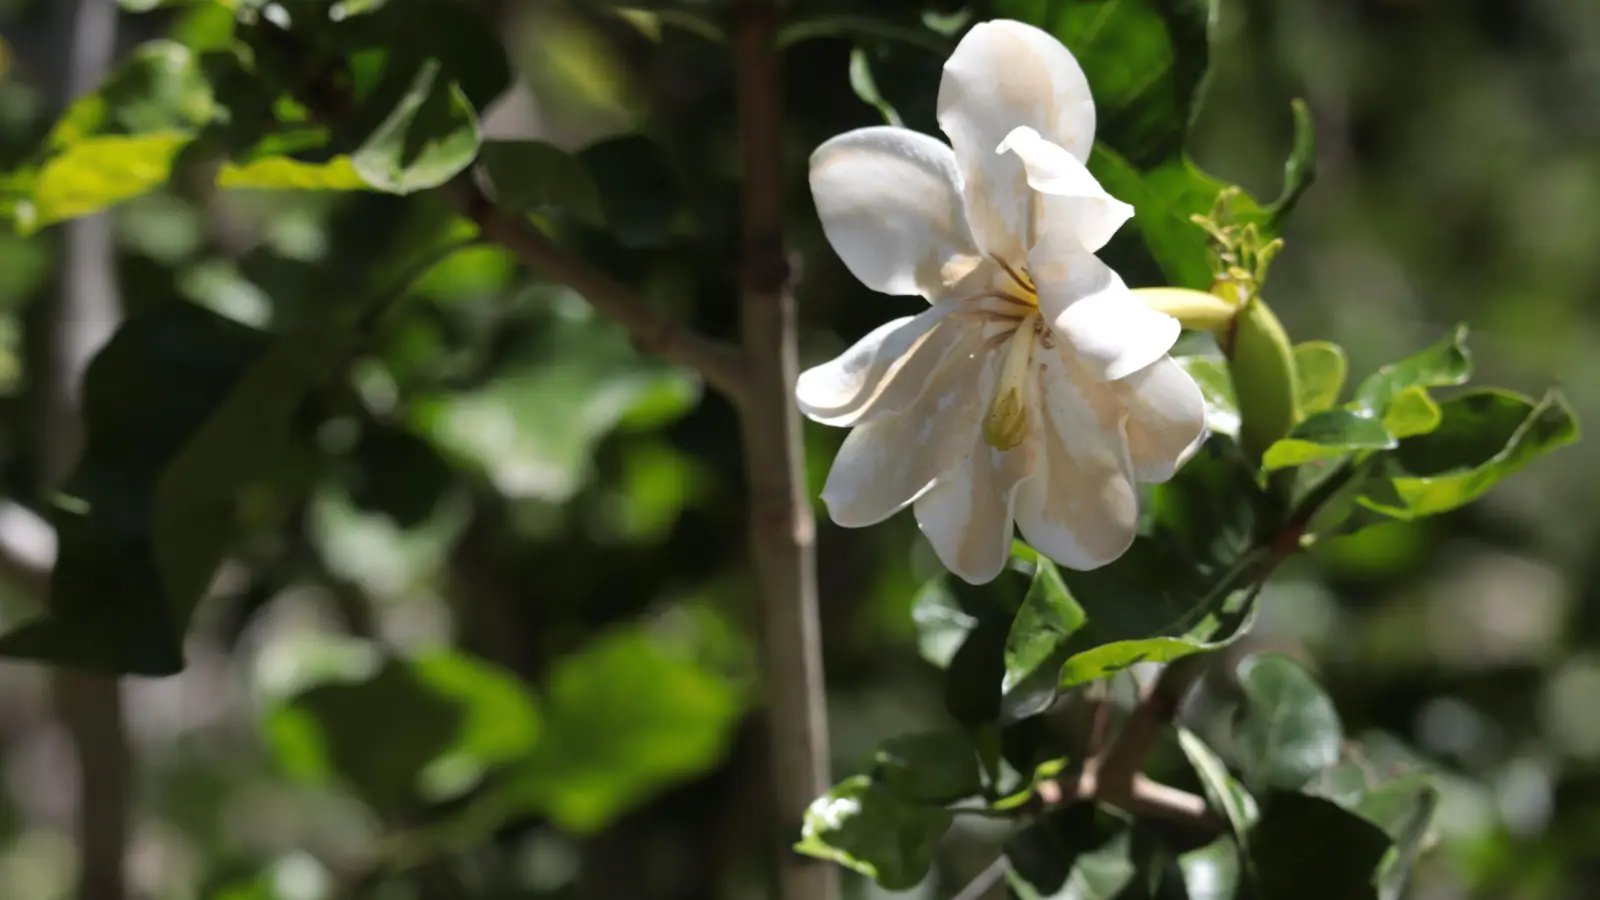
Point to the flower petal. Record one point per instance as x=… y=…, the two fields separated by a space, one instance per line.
x=883 y=372
x=1004 y=74
x=967 y=514
x=1166 y=419
x=890 y=203
x=887 y=462
x=1072 y=201
x=1081 y=508
x=1109 y=330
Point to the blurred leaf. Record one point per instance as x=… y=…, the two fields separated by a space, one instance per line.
x=624 y=719
x=1319 y=368
x=942 y=625
x=639 y=192
x=449 y=34
x=96 y=173
x=972 y=683
x=146 y=395
x=159 y=88
x=533 y=428
x=430 y=137
x=397 y=474
x=1047 y=618
x=1224 y=794
x=1222 y=407
x=1483 y=437
x=865 y=88
x=1044 y=771
x=1404 y=809
x=1444 y=364
x=1211 y=872
x=938 y=767
x=863 y=826
x=382 y=734
x=535 y=177
x=1327 y=435
x=1044 y=854
x=1102 y=873
x=1309 y=848
x=283 y=173
x=1287 y=728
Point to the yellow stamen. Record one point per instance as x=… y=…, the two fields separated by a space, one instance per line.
x=1006 y=423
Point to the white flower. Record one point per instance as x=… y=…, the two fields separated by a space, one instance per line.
x=1036 y=389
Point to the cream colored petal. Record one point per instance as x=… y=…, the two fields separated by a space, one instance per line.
x=1109 y=330
x=1004 y=74
x=887 y=462
x=1071 y=202
x=883 y=372
x=1081 y=508
x=890 y=203
x=1166 y=419
x=967 y=514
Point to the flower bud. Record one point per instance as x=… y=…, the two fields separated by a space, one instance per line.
x=1261 y=363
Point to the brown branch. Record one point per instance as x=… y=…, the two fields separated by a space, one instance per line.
x=718 y=363
x=781 y=529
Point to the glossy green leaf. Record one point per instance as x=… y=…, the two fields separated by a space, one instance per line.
x=938 y=767
x=1483 y=437
x=385 y=733
x=1222 y=406
x=862 y=825
x=535 y=177
x=429 y=138
x=1047 y=618
x=1327 y=435
x=624 y=718
x=1287 y=728
x=1319 y=368
x=1411 y=412
x=1310 y=848
x=1444 y=364
x=1224 y=794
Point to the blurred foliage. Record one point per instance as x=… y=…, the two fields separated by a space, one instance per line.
x=452 y=572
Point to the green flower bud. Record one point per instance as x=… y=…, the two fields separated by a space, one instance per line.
x=1261 y=363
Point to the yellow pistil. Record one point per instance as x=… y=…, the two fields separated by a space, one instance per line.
x=1006 y=423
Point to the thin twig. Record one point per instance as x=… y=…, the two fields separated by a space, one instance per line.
x=720 y=364
x=983 y=881
x=781 y=530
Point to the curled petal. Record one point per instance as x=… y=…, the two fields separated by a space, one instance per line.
x=887 y=462
x=1081 y=508
x=1110 y=331
x=1003 y=75
x=890 y=203
x=883 y=372
x=1071 y=201
x=1166 y=419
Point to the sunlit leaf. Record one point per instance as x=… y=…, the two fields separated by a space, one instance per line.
x=96 y=173
x=1225 y=795
x=1287 y=728
x=1319 y=368
x=1047 y=618
x=860 y=824
x=279 y=173
x=1444 y=364
x=1327 y=435
x=429 y=138
x=1222 y=406
x=1483 y=437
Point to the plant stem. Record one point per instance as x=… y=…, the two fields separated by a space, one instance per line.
x=782 y=533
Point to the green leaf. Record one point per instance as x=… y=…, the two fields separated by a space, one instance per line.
x=1483 y=437
x=1287 y=728
x=1211 y=872
x=1311 y=849
x=535 y=177
x=1225 y=795
x=624 y=718
x=863 y=826
x=972 y=683
x=1047 y=618
x=1319 y=375
x=429 y=138
x=867 y=90
x=97 y=173
x=942 y=625
x=640 y=193
x=452 y=35
x=159 y=88
x=1044 y=855
x=283 y=173
x=936 y=767
x=1404 y=809
x=1411 y=412
x=1327 y=435
x=146 y=395
x=1210 y=373
x=534 y=427
x=1444 y=364
x=1103 y=873
x=384 y=734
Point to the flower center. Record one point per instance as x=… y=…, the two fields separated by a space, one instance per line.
x=1024 y=284
x=1006 y=423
